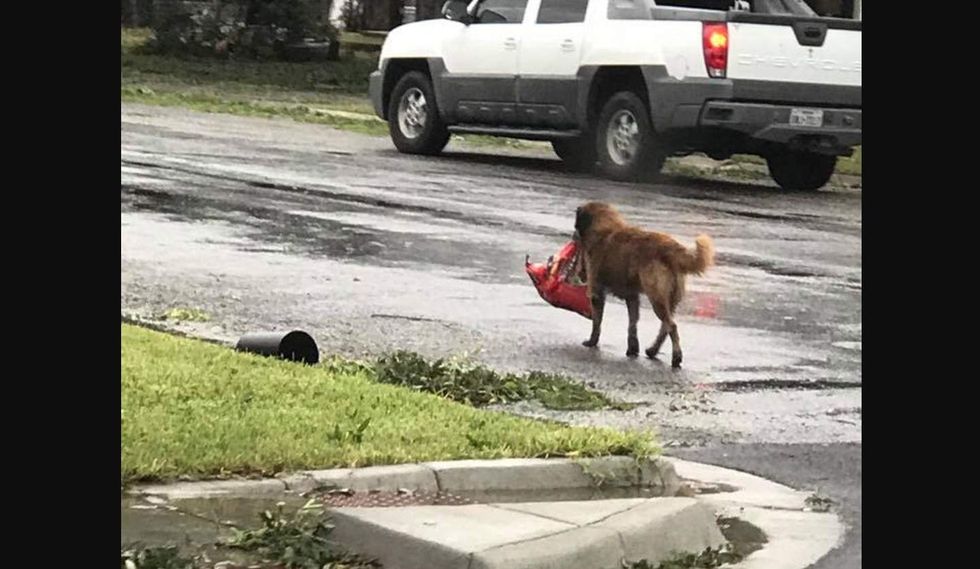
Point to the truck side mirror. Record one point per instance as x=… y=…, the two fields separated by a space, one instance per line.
x=456 y=10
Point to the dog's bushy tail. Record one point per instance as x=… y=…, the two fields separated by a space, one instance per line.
x=701 y=258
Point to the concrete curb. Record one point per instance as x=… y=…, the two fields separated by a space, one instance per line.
x=509 y=474
x=797 y=536
x=560 y=534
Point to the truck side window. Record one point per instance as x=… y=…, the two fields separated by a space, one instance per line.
x=562 y=11
x=699 y=4
x=501 y=12
x=629 y=9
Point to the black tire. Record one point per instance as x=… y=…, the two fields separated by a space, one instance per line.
x=577 y=153
x=430 y=135
x=644 y=154
x=800 y=171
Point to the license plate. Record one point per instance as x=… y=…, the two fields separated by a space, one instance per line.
x=806 y=117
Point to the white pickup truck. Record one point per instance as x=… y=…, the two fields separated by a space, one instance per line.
x=623 y=84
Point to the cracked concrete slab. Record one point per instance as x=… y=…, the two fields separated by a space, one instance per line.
x=562 y=535
x=578 y=513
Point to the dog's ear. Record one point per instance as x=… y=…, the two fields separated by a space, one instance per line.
x=583 y=220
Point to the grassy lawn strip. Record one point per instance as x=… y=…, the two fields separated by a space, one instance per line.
x=850 y=165
x=194 y=409
x=304 y=92
x=342 y=84
x=212 y=103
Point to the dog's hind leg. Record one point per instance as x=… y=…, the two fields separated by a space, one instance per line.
x=632 y=342
x=666 y=323
x=658 y=284
x=675 y=338
x=675 y=342
x=677 y=294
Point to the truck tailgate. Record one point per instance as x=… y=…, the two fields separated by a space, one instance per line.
x=796 y=50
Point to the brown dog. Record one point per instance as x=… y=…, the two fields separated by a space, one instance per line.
x=625 y=261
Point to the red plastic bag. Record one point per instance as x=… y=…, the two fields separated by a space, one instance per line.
x=558 y=282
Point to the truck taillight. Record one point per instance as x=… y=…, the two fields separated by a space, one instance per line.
x=715 y=48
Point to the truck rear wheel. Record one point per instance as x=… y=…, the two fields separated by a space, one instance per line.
x=625 y=142
x=802 y=171
x=413 y=118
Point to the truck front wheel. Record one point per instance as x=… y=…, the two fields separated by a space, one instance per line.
x=796 y=170
x=413 y=118
x=626 y=144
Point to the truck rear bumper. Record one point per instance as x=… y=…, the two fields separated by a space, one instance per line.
x=757 y=109
x=771 y=123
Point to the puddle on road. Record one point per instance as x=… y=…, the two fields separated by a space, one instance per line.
x=313 y=226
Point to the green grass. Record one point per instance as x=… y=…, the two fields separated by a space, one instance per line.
x=304 y=92
x=708 y=559
x=135 y=40
x=845 y=165
x=676 y=168
x=194 y=409
x=180 y=314
x=850 y=165
x=359 y=41
x=300 y=541
x=748 y=159
x=156 y=557
x=216 y=103
x=231 y=85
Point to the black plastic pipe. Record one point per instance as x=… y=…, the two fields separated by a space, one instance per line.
x=295 y=346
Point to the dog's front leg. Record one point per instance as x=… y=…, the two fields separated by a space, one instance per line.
x=632 y=342
x=598 y=298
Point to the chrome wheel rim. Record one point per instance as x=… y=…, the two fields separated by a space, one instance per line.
x=413 y=111
x=623 y=137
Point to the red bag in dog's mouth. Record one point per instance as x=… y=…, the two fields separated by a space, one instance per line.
x=558 y=281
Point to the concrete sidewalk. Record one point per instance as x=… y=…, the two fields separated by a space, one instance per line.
x=536 y=535
x=536 y=526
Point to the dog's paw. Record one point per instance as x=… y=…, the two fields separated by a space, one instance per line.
x=651 y=353
x=675 y=361
x=632 y=348
x=590 y=343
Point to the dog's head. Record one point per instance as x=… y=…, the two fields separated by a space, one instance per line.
x=591 y=215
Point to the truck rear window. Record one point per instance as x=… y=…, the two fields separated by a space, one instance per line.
x=645 y=9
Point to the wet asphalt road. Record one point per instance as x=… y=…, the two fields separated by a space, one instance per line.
x=273 y=224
